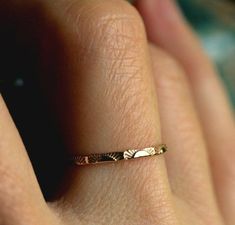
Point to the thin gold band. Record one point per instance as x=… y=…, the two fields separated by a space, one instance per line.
x=81 y=160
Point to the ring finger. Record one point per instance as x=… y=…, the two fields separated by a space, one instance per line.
x=109 y=103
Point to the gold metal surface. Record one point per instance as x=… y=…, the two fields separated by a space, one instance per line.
x=81 y=160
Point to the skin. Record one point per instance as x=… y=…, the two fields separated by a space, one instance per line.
x=126 y=77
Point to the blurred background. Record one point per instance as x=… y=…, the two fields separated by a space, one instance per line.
x=213 y=20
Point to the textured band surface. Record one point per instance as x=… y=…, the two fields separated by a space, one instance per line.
x=117 y=156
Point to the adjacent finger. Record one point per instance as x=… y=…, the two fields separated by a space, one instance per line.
x=20 y=197
x=173 y=34
x=107 y=102
x=188 y=168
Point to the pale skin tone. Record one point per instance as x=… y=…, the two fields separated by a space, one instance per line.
x=126 y=77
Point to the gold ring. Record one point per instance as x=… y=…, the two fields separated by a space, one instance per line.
x=81 y=160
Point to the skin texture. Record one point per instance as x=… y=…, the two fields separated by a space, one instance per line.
x=119 y=77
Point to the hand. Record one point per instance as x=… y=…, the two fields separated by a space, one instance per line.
x=111 y=89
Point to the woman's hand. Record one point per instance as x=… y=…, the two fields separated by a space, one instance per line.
x=113 y=89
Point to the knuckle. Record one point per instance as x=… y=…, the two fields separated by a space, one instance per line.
x=112 y=33
x=105 y=24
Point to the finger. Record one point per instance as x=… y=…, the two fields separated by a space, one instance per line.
x=20 y=196
x=210 y=98
x=187 y=166
x=108 y=103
